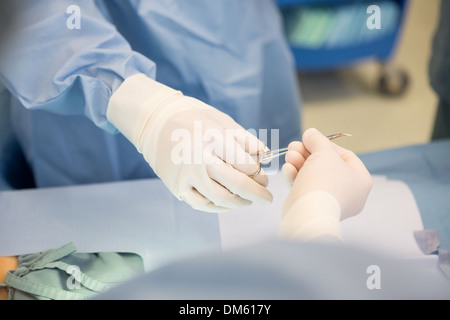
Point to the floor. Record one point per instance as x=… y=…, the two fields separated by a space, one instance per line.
x=347 y=101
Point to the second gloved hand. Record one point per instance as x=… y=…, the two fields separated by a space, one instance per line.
x=328 y=184
x=200 y=153
x=317 y=164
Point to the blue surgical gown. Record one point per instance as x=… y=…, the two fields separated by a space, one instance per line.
x=231 y=54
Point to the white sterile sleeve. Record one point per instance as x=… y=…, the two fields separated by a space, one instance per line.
x=134 y=102
x=315 y=216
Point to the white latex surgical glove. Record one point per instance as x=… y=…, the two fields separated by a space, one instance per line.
x=201 y=154
x=328 y=184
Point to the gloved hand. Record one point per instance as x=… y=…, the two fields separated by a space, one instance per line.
x=328 y=181
x=295 y=158
x=200 y=153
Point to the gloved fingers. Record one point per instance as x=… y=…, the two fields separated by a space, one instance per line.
x=237 y=147
x=218 y=193
x=239 y=183
x=295 y=158
x=299 y=147
x=199 y=202
x=289 y=173
x=348 y=156
x=250 y=143
x=261 y=178
x=315 y=141
x=351 y=159
x=232 y=153
x=231 y=129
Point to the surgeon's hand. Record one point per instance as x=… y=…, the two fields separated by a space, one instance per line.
x=328 y=184
x=318 y=164
x=199 y=152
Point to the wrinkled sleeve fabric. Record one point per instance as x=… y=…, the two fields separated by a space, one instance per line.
x=69 y=59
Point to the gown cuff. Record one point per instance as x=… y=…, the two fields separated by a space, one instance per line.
x=133 y=103
x=313 y=217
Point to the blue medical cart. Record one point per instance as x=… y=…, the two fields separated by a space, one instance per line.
x=392 y=80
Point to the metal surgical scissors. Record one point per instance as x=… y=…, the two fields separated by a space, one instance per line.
x=264 y=157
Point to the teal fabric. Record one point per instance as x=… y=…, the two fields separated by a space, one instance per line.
x=64 y=274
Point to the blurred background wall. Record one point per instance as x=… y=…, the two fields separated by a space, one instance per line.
x=347 y=99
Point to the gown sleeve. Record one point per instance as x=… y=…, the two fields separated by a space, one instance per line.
x=68 y=59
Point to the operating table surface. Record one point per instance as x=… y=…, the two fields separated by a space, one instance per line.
x=142 y=216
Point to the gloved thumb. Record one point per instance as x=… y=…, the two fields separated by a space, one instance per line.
x=315 y=141
x=289 y=172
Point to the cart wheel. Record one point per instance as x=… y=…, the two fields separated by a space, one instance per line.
x=393 y=81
